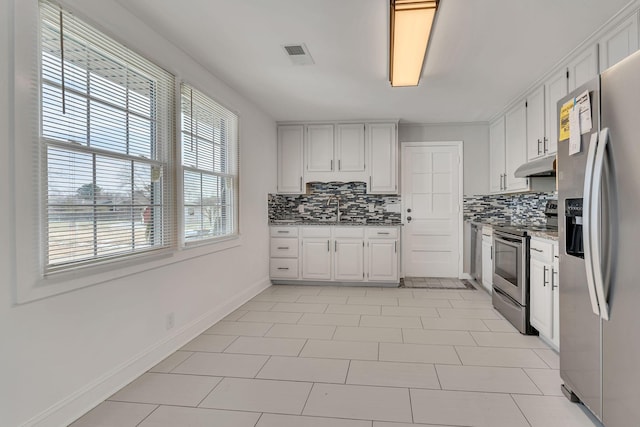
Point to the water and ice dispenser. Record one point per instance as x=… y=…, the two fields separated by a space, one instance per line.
x=573 y=229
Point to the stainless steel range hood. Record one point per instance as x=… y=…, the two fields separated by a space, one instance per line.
x=539 y=167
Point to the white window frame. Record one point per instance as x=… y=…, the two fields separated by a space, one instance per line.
x=232 y=170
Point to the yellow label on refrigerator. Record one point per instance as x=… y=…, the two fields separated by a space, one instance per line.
x=565 y=130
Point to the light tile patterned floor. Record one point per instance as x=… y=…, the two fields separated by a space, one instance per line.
x=327 y=356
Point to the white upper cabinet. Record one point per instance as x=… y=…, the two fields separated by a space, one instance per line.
x=319 y=148
x=583 y=67
x=555 y=88
x=516 y=146
x=496 y=156
x=620 y=42
x=290 y=143
x=350 y=147
x=535 y=124
x=383 y=158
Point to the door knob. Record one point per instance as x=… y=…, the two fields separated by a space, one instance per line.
x=408 y=219
x=409 y=210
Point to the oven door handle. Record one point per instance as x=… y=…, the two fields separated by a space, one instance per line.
x=508 y=241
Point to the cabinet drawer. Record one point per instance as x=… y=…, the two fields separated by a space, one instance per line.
x=283 y=268
x=284 y=231
x=283 y=247
x=320 y=231
x=541 y=250
x=348 y=232
x=382 y=232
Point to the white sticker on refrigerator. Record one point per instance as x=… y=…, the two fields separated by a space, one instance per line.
x=583 y=104
x=575 y=135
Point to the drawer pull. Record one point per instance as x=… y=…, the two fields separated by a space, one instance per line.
x=283 y=268
x=537 y=250
x=383 y=232
x=283 y=231
x=283 y=247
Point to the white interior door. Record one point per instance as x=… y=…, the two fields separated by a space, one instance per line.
x=432 y=211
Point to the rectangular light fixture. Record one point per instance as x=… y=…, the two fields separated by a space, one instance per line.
x=411 y=22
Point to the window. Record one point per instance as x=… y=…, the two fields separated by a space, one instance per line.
x=106 y=126
x=210 y=171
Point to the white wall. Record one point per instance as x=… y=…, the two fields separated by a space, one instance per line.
x=475 y=138
x=61 y=355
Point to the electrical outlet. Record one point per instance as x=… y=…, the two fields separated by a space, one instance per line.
x=300 y=208
x=372 y=207
x=170 y=321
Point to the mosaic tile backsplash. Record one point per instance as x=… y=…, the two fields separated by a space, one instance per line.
x=321 y=201
x=526 y=208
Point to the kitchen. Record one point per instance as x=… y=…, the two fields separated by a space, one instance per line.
x=133 y=312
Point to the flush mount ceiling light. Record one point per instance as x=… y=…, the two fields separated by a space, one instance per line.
x=411 y=22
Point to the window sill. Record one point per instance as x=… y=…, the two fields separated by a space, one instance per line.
x=67 y=281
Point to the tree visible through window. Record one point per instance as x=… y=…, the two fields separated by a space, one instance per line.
x=209 y=159
x=106 y=123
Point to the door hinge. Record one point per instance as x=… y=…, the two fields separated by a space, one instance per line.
x=567 y=73
x=526 y=104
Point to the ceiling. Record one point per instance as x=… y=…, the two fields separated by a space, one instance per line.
x=483 y=53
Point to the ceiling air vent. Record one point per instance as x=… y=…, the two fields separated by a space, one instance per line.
x=298 y=53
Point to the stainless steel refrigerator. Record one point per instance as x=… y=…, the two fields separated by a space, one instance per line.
x=599 y=228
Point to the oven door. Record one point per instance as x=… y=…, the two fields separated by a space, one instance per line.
x=509 y=266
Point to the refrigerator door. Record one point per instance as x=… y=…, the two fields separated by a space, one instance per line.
x=580 y=354
x=621 y=235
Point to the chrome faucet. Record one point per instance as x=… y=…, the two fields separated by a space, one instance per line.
x=337 y=199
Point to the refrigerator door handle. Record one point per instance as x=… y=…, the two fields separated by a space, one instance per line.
x=586 y=228
x=594 y=233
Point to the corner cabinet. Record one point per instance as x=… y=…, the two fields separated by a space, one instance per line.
x=383 y=158
x=290 y=150
x=496 y=156
x=515 y=147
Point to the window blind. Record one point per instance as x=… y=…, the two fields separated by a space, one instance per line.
x=107 y=122
x=210 y=167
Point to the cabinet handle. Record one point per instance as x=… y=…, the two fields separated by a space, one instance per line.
x=283 y=231
x=537 y=250
x=545 y=146
x=283 y=268
x=300 y=183
x=369 y=182
x=383 y=232
x=554 y=274
x=544 y=276
x=332 y=164
x=335 y=245
x=328 y=247
x=283 y=247
x=539 y=142
x=339 y=164
x=395 y=246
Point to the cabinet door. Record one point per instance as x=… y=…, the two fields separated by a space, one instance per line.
x=348 y=258
x=516 y=146
x=535 y=124
x=540 y=297
x=350 y=147
x=290 y=142
x=487 y=264
x=383 y=260
x=496 y=155
x=619 y=43
x=319 y=147
x=316 y=259
x=555 y=89
x=383 y=158
x=583 y=67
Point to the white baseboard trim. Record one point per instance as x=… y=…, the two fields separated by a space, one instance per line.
x=91 y=395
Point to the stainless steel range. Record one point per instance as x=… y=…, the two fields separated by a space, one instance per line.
x=511 y=269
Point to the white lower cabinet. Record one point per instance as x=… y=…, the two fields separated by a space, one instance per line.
x=543 y=279
x=336 y=253
x=487 y=258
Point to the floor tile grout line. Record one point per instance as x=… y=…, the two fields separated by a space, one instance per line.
x=533 y=381
x=148 y=415
x=410 y=405
x=346 y=377
x=210 y=391
x=176 y=367
x=313 y=384
x=258 y=420
x=520 y=409
x=261 y=368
